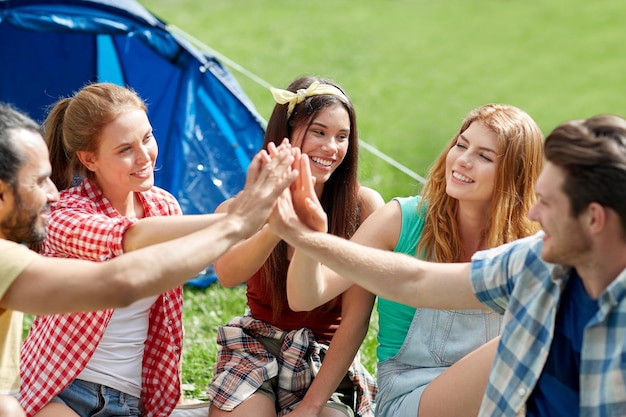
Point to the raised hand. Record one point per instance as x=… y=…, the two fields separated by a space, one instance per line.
x=305 y=202
x=268 y=176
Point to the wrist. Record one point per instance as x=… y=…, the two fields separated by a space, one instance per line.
x=311 y=407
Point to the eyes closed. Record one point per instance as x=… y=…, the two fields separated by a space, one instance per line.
x=486 y=154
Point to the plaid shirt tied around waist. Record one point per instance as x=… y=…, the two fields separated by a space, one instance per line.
x=243 y=364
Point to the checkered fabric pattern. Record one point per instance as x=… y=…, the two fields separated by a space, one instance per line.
x=243 y=364
x=514 y=280
x=83 y=224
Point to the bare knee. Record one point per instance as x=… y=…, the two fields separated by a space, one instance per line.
x=10 y=407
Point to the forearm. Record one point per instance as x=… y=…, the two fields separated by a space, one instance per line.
x=186 y=257
x=244 y=259
x=310 y=284
x=58 y=285
x=398 y=277
x=152 y=230
x=357 y=307
x=334 y=368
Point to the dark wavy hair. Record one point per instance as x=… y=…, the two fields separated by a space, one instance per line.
x=339 y=198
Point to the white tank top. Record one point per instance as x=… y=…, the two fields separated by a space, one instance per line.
x=117 y=360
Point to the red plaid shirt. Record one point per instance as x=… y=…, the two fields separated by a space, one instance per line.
x=84 y=224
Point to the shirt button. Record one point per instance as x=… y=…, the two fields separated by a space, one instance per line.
x=521 y=392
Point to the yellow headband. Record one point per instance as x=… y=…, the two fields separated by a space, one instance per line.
x=315 y=89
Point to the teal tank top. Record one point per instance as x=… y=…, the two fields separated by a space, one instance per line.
x=394 y=319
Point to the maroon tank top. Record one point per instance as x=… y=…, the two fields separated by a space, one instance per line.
x=323 y=321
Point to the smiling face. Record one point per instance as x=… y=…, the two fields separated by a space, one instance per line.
x=25 y=209
x=471 y=165
x=325 y=140
x=565 y=240
x=126 y=155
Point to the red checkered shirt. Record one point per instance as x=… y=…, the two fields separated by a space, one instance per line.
x=84 y=224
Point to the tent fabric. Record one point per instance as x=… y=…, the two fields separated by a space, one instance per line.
x=206 y=127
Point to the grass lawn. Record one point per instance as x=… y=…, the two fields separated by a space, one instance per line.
x=414 y=69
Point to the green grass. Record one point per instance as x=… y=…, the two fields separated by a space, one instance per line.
x=413 y=69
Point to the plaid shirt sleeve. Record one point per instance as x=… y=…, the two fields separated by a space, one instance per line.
x=494 y=272
x=79 y=229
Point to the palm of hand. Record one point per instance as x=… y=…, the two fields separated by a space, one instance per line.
x=308 y=208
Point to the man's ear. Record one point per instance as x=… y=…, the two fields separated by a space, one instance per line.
x=87 y=158
x=596 y=217
x=3 y=190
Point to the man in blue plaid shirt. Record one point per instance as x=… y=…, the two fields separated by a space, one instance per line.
x=562 y=292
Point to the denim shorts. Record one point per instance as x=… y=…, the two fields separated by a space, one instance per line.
x=88 y=399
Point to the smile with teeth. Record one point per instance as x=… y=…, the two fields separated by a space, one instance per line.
x=461 y=178
x=320 y=161
x=144 y=171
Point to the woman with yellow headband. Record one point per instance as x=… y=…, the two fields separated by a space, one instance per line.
x=270 y=359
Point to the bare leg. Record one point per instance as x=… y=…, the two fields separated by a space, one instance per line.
x=331 y=412
x=56 y=410
x=325 y=412
x=10 y=407
x=257 y=405
x=467 y=379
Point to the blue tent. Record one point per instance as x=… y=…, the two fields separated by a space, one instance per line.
x=206 y=128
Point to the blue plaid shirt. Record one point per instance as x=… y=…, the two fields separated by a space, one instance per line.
x=514 y=281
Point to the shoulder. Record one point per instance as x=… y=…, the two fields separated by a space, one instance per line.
x=369 y=201
x=520 y=258
x=164 y=200
x=76 y=196
x=520 y=248
x=382 y=228
x=14 y=258
x=160 y=193
x=409 y=203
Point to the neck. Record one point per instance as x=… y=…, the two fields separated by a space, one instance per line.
x=126 y=204
x=602 y=264
x=471 y=221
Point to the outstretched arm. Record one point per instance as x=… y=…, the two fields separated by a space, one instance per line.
x=309 y=283
x=229 y=268
x=356 y=308
x=54 y=285
x=152 y=230
x=395 y=276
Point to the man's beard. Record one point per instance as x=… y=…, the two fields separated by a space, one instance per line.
x=22 y=225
